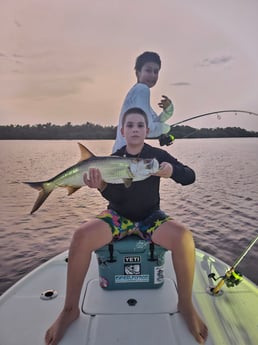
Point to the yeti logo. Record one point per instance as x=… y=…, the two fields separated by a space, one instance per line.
x=132 y=259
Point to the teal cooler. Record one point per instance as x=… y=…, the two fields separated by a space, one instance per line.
x=131 y=263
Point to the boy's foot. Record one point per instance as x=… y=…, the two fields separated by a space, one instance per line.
x=55 y=333
x=195 y=324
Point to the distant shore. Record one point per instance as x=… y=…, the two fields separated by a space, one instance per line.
x=92 y=131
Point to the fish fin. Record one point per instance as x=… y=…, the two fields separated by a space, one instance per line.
x=127 y=182
x=85 y=153
x=130 y=174
x=43 y=194
x=72 y=190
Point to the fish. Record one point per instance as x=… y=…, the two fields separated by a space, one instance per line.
x=113 y=169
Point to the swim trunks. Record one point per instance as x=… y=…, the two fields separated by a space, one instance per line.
x=121 y=226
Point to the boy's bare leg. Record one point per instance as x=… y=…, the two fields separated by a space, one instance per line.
x=175 y=237
x=89 y=237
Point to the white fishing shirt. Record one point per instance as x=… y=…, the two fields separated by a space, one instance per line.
x=139 y=96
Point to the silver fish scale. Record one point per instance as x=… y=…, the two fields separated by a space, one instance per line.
x=114 y=171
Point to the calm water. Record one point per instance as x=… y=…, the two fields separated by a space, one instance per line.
x=220 y=208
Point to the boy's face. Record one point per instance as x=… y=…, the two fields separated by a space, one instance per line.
x=134 y=129
x=149 y=74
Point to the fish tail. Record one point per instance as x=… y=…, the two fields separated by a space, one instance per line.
x=42 y=196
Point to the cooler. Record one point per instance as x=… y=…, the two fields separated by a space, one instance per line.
x=131 y=263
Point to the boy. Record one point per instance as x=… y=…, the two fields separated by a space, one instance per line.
x=140 y=205
x=147 y=69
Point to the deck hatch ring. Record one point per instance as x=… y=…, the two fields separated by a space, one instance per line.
x=131 y=302
x=48 y=294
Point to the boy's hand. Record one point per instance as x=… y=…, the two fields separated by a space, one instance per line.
x=165 y=102
x=165 y=170
x=93 y=179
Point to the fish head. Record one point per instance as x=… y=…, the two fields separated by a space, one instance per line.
x=144 y=167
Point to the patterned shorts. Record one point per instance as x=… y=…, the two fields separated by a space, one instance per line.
x=121 y=226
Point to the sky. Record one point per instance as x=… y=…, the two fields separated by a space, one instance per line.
x=73 y=60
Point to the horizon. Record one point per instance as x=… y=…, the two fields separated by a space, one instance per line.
x=218 y=114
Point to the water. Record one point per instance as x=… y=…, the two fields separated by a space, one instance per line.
x=220 y=207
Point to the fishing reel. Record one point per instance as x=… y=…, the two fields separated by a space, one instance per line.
x=231 y=278
x=166 y=139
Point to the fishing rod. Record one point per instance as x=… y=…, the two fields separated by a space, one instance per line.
x=167 y=139
x=231 y=276
x=214 y=113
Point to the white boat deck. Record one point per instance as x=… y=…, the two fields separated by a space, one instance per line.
x=107 y=317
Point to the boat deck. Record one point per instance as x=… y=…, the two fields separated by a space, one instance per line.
x=135 y=317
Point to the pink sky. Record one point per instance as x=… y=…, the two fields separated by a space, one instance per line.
x=66 y=60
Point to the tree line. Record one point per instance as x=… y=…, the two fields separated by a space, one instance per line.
x=89 y=131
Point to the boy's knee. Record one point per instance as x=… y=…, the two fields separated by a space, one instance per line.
x=187 y=233
x=183 y=232
x=80 y=234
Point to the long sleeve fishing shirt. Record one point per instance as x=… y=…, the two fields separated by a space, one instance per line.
x=139 y=96
x=143 y=197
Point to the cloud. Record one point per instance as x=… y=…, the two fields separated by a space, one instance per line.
x=219 y=60
x=47 y=88
x=180 y=83
x=15 y=55
x=18 y=24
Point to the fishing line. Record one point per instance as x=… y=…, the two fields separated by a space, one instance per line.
x=167 y=139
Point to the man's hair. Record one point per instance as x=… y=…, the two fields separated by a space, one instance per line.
x=135 y=110
x=147 y=57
